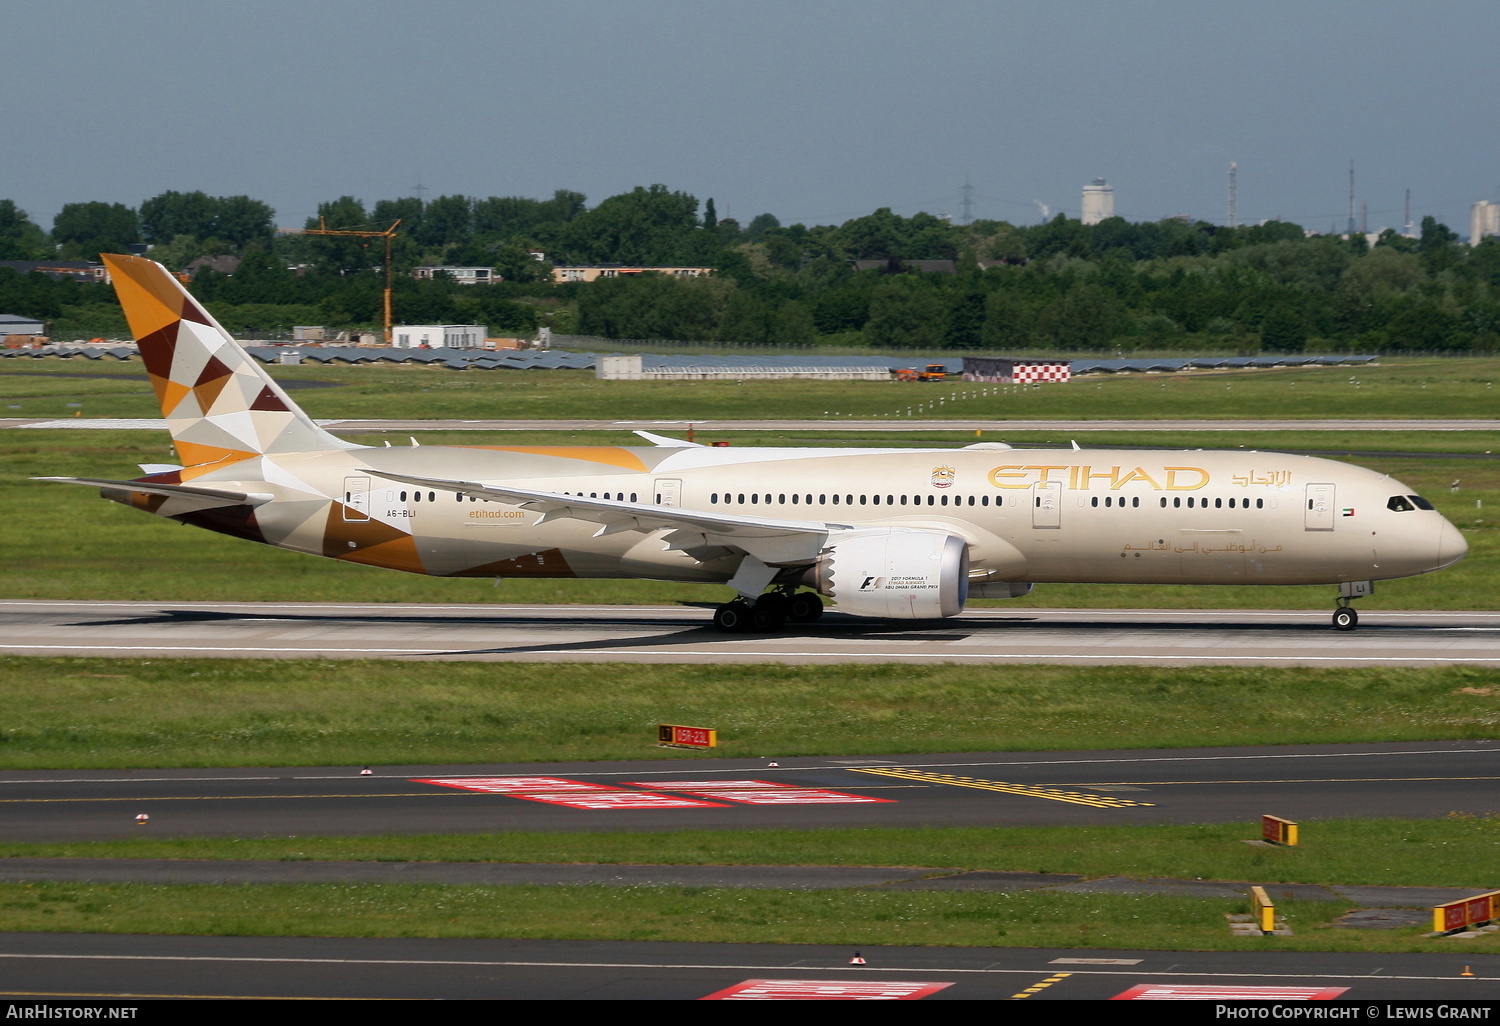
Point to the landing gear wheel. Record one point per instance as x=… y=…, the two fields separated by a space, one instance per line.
x=804 y=607
x=733 y=617
x=1345 y=618
x=761 y=620
x=772 y=608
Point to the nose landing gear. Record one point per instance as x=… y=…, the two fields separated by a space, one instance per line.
x=1344 y=617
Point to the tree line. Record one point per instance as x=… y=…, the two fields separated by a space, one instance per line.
x=1170 y=285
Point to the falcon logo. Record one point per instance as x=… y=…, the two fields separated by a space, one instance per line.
x=942 y=477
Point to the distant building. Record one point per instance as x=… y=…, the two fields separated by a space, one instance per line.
x=462 y=275
x=1484 y=220
x=593 y=272
x=1014 y=371
x=13 y=324
x=634 y=368
x=223 y=263
x=1098 y=201
x=438 y=336
x=74 y=270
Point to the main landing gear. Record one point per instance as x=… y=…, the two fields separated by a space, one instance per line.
x=1344 y=617
x=768 y=612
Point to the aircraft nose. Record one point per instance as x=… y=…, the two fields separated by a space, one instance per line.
x=1451 y=546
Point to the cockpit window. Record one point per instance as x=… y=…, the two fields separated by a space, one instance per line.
x=1399 y=504
x=1419 y=502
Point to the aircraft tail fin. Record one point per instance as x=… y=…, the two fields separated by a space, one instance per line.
x=218 y=403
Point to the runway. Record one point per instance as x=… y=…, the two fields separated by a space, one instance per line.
x=1414 y=780
x=93 y=969
x=1402 y=779
x=684 y=634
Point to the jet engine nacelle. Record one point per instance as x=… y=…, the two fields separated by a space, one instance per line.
x=901 y=572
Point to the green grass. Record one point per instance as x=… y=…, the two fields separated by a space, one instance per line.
x=1339 y=444
x=205 y=712
x=853 y=918
x=63 y=542
x=1453 y=850
x=1399 y=387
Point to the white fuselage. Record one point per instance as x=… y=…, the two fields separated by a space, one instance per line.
x=1026 y=515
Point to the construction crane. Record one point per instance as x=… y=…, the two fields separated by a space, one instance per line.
x=323 y=229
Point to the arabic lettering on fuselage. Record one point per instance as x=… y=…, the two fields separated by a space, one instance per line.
x=1269 y=478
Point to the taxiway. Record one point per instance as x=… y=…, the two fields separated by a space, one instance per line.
x=684 y=634
x=1414 y=780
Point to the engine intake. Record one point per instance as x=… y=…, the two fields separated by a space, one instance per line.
x=898 y=572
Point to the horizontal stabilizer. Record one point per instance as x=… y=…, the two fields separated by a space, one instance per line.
x=664 y=442
x=205 y=498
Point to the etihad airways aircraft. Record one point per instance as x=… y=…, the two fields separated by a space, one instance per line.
x=899 y=533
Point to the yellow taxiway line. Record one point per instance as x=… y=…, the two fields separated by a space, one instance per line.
x=1098 y=801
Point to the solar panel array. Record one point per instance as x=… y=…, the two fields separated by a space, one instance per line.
x=1214 y=363
x=73 y=349
x=557 y=359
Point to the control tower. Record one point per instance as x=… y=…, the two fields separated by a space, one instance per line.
x=1098 y=201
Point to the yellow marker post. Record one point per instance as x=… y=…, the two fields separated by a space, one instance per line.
x=1263 y=910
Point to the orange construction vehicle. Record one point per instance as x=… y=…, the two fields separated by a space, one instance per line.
x=931 y=372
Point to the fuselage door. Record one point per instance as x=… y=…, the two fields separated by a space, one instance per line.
x=356 y=500
x=1318 y=514
x=1046 y=504
x=668 y=491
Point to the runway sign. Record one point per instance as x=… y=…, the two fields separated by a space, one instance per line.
x=671 y=736
x=759 y=792
x=1216 y=992
x=1456 y=915
x=1278 y=831
x=825 y=990
x=573 y=794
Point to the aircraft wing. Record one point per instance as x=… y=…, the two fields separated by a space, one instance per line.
x=204 y=498
x=770 y=540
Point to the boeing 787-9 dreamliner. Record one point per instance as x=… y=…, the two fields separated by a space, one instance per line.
x=897 y=533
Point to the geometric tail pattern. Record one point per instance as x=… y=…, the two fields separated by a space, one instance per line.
x=220 y=406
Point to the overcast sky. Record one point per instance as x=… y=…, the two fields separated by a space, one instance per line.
x=813 y=110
